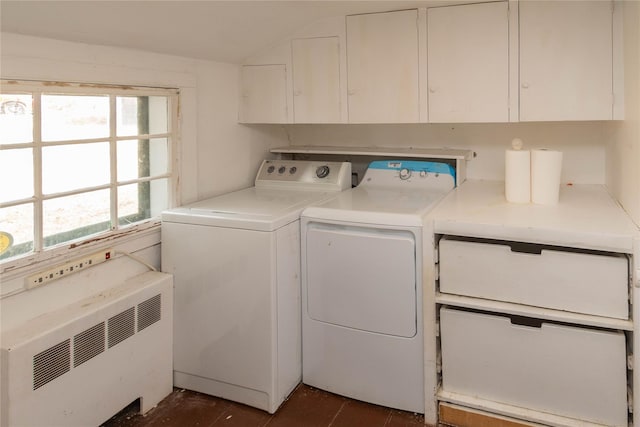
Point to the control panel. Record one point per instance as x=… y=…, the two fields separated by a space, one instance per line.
x=410 y=173
x=304 y=174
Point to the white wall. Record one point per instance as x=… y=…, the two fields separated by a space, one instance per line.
x=623 y=154
x=215 y=153
x=227 y=154
x=583 y=143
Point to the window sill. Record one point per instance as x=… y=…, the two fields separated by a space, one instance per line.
x=124 y=240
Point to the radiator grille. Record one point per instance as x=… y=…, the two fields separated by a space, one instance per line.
x=121 y=326
x=149 y=312
x=88 y=344
x=51 y=363
x=57 y=360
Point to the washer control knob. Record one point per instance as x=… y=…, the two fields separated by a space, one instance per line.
x=322 y=171
x=281 y=169
x=423 y=174
x=293 y=170
x=270 y=169
x=405 y=173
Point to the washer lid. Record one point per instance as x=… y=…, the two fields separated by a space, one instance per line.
x=253 y=201
x=252 y=208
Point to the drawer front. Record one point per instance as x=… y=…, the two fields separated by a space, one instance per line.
x=578 y=282
x=564 y=370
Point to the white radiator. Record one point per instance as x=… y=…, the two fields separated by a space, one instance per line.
x=80 y=364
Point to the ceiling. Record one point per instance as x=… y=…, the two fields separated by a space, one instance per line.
x=226 y=31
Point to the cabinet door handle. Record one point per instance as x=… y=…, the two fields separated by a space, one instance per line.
x=525 y=85
x=351 y=92
x=432 y=89
x=526 y=321
x=297 y=92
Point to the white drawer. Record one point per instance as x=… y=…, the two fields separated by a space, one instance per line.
x=579 y=282
x=570 y=371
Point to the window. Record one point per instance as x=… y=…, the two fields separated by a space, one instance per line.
x=80 y=160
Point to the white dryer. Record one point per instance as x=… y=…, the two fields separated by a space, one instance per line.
x=236 y=265
x=362 y=284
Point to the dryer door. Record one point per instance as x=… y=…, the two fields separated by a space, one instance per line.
x=362 y=278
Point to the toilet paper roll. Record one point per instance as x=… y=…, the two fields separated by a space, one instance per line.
x=517 y=180
x=546 y=167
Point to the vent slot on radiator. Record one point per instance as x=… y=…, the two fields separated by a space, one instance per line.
x=88 y=344
x=56 y=361
x=121 y=326
x=149 y=312
x=51 y=363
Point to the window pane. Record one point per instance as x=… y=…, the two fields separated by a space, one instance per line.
x=158 y=156
x=17 y=170
x=70 y=167
x=144 y=200
x=128 y=165
x=17 y=221
x=141 y=115
x=16 y=118
x=142 y=158
x=72 y=217
x=71 y=117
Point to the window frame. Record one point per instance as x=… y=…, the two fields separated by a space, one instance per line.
x=116 y=231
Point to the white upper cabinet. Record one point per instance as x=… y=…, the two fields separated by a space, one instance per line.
x=468 y=63
x=497 y=61
x=566 y=60
x=316 y=80
x=264 y=94
x=382 y=67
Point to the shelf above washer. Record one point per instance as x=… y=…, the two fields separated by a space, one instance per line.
x=431 y=153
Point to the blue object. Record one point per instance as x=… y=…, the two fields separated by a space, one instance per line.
x=415 y=166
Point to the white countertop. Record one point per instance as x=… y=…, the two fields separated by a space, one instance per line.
x=586 y=217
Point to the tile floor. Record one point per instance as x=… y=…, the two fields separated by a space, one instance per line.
x=306 y=407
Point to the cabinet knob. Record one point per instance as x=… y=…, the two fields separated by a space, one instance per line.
x=351 y=92
x=297 y=92
x=432 y=89
x=525 y=85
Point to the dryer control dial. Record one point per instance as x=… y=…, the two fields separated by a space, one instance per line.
x=322 y=171
x=405 y=174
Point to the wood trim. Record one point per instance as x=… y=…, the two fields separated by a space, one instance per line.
x=456 y=416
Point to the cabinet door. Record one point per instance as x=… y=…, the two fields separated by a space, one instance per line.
x=382 y=67
x=316 y=80
x=566 y=60
x=264 y=94
x=468 y=63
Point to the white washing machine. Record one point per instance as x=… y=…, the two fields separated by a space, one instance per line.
x=361 y=253
x=236 y=265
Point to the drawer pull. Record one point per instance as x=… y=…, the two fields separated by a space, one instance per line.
x=526 y=321
x=526 y=248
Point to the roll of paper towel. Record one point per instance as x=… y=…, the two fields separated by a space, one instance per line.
x=546 y=167
x=517 y=180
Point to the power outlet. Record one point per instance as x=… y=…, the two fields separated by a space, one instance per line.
x=63 y=270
